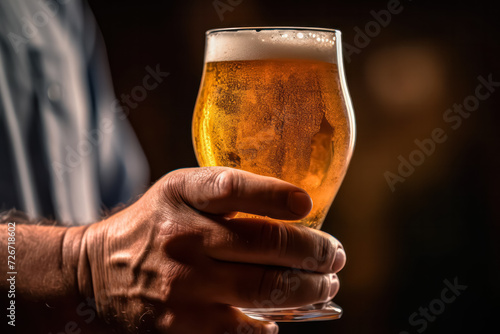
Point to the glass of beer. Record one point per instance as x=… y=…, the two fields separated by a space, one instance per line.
x=274 y=101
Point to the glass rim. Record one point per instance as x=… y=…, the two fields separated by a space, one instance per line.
x=271 y=28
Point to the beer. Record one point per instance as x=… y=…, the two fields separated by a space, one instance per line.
x=276 y=110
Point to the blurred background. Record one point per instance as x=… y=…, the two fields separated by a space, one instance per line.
x=406 y=241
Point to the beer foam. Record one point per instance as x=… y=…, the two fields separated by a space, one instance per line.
x=256 y=44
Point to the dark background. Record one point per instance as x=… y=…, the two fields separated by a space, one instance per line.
x=442 y=223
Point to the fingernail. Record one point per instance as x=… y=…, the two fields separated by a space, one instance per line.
x=299 y=203
x=340 y=260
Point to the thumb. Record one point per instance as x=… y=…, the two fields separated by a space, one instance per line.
x=221 y=190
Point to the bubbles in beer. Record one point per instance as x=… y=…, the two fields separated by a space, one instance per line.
x=284 y=118
x=271 y=102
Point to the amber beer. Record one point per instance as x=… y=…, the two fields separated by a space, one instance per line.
x=276 y=111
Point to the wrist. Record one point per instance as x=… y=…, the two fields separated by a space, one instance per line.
x=75 y=262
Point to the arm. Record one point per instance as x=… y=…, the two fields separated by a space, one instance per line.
x=176 y=261
x=43 y=254
x=43 y=291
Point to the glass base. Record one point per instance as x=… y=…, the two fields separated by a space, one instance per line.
x=316 y=312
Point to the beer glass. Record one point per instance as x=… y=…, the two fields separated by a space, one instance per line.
x=274 y=101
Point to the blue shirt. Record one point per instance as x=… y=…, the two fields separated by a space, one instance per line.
x=66 y=149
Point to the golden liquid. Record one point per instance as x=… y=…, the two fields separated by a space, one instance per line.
x=284 y=118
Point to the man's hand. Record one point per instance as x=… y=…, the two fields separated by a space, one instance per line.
x=177 y=262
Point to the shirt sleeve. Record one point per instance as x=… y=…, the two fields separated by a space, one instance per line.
x=66 y=149
x=122 y=167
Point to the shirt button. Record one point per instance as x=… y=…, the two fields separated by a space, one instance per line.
x=54 y=92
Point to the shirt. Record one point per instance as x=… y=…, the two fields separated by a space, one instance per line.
x=66 y=149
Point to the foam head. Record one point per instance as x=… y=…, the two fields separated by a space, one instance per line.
x=256 y=44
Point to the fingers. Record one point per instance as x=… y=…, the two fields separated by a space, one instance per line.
x=246 y=269
x=265 y=242
x=253 y=286
x=213 y=319
x=220 y=190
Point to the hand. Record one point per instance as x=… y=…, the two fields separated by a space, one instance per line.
x=176 y=262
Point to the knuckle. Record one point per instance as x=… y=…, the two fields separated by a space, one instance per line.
x=208 y=182
x=224 y=183
x=324 y=250
x=323 y=288
x=172 y=187
x=273 y=282
x=276 y=237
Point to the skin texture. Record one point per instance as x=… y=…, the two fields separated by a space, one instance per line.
x=177 y=262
